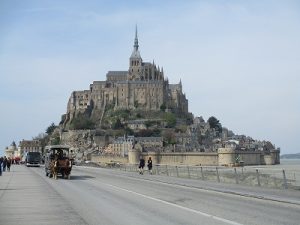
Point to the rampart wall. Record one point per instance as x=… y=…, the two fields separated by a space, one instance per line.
x=224 y=157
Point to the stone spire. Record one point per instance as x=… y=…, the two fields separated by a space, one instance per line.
x=136 y=40
x=135 y=60
x=180 y=85
x=136 y=52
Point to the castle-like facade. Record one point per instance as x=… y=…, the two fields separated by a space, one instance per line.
x=143 y=86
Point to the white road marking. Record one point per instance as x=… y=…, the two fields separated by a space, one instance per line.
x=178 y=206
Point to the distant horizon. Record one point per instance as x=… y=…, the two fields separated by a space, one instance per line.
x=238 y=61
x=292 y=154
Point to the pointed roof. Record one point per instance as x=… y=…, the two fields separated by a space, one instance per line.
x=136 y=41
x=136 y=52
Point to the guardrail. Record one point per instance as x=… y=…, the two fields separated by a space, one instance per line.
x=251 y=176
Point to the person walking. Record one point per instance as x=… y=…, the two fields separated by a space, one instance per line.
x=142 y=165
x=8 y=164
x=4 y=163
x=1 y=161
x=149 y=165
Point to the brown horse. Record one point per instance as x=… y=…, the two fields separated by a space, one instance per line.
x=65 y=167
x=60 y=165
x=54 y=168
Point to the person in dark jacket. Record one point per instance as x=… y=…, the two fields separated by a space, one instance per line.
x=142 y=165
x=1 y=161
x=8 y=163
x=149 y=165
x=4 y=163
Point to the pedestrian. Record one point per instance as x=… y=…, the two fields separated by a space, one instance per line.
x=149 y=165
x=8 y=163
x=142 y=165
x=1 y=161
x=4 y=163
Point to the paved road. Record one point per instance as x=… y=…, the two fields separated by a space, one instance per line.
x=102 y=196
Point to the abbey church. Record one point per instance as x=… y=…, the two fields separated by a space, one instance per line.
x=143 y=86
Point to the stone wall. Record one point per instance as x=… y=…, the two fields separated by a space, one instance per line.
x=250 y=158
x=224 y=157
x=176 y=158
x=203 y=159
x=108 y=159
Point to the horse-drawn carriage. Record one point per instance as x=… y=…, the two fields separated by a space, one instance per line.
x=58 y=161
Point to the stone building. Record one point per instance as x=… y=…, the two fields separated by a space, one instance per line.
x=143 y=86
x=29 y=146
x=12 y=151
x=150 y=143
x=120 y=146
x=137 y=124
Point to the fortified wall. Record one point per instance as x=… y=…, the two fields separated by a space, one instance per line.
x=224 y=157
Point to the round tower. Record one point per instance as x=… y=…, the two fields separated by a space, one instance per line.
x=226 y=156
x=269 y=159
x=134 y=156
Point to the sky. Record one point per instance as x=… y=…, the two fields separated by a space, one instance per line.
x=238 y=60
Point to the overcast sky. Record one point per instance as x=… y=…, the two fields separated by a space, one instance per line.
x=238 y=60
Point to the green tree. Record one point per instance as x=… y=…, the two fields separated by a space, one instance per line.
x=82 y=123
x=122 y=114
x=169 y=137
x=170 y=119
x=215 y=123
x=50 y=129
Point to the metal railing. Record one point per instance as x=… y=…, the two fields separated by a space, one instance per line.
x=251 y=176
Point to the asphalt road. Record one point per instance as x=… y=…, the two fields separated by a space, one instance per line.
x=104 y=196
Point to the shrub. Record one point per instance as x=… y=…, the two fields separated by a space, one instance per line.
x=170 y=119
x=82 y=123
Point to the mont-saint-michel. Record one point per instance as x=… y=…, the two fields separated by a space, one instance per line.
x=138 y=113
x=176 y=120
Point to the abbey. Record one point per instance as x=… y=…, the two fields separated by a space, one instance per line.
x=143 y=86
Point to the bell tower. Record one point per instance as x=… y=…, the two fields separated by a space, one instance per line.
x=135 y=60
